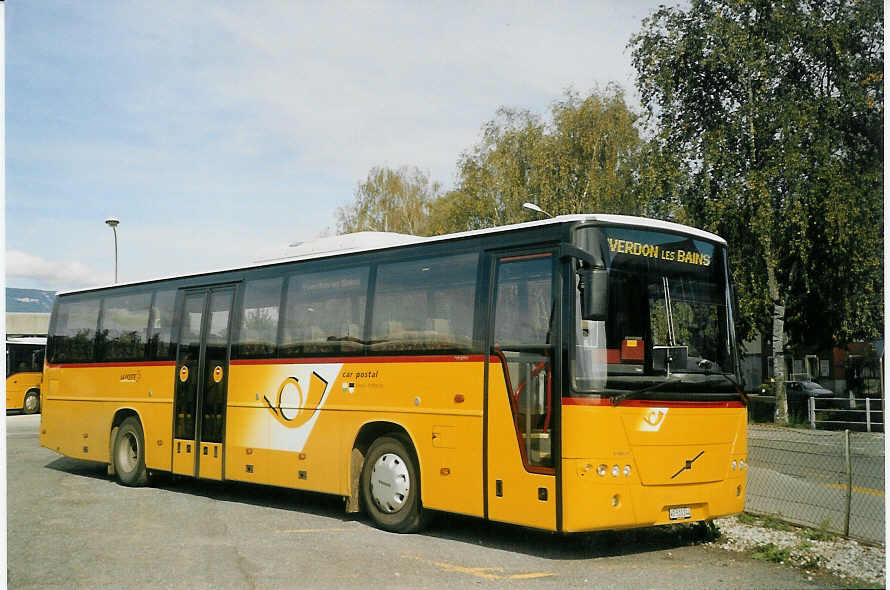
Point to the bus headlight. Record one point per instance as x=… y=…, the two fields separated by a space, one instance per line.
x=615 y=470
x=626 y=470
x=601 y=470
x=742 y=464
x=733 y=464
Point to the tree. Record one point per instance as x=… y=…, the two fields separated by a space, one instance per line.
x=583 y=159
x=774 y=112
x=390 y=200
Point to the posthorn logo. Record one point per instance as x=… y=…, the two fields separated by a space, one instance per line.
x=653 y=419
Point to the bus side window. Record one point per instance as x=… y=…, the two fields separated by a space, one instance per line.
x=74 y=335
x=323 y=312
x=523 y=316
x=258 y=329
x=125 y=327
x=160 y=337
x=425 y=305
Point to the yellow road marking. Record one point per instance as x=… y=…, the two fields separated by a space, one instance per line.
x=482 y=572
x=331 y=530
x=869 y=491
x=531 y=575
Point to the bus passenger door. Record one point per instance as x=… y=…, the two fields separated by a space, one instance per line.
x=202 y=376
x=523 y=325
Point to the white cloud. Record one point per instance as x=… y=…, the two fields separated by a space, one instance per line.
x=218 y=135
x=347 y=87
x=52 y=275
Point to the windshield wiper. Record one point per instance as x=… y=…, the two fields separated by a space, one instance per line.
x=738 y=388
x=706 y=365
x=616 y=399
x=674 y=378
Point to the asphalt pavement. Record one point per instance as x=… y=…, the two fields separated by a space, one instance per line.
x=71 y=526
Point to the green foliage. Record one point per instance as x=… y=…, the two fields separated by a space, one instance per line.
x=748 y=519
x=588 y=157
x=771 y=552
x=772 y=115
x=766 y=126
x=805 y=558
x=821 y=533
x=768 y=521
x=390 y=200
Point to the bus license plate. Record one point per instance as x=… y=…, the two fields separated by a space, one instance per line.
x=680 y=513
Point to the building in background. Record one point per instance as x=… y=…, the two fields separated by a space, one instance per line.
x=27 y=311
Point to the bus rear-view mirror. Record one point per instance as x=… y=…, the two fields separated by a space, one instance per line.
x=594 y=294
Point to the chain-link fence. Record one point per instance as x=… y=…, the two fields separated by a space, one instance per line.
x=821 y=479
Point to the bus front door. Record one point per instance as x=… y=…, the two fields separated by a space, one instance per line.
x=202 y=376
x=521 y=480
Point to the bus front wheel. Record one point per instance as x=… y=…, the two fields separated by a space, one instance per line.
x=390 y=486
x=31 y=405
x=128 y=454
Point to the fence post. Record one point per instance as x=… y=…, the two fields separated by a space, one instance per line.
x=868 y=414
x=849 y=467
x=811 y=406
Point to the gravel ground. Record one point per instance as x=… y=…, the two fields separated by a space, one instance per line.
x=844 y=558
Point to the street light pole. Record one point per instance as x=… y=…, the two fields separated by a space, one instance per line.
x=113 y=222
x=535 y=208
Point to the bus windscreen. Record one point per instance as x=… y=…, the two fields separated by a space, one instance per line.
x=669 y=324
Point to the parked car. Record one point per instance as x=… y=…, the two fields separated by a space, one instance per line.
x=805 y=389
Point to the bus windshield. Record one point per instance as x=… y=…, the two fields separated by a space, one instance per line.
x=669 y=325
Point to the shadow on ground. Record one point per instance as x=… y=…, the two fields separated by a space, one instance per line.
x=453 y=527
x=549 y=545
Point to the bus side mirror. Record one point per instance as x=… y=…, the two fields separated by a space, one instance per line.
x=594 y=294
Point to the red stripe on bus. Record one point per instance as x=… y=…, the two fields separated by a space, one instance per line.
x=526 y=257
x=604 y=401
x=586 y=401
x=114 y=364
x=477 y=358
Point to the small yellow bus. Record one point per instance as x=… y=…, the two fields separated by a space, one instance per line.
x=571 y=374
x=24 y=372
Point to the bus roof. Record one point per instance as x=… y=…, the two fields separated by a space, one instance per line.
x=35 y=340
x=371 y=241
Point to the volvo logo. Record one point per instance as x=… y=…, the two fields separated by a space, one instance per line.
x=688 y=464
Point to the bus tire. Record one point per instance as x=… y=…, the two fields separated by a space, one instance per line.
x=31 y=404
x=128 y=453
x=390 y=486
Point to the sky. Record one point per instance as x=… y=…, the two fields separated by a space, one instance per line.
x=220 y=132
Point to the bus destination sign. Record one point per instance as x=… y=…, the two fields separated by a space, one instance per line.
x=660 y=252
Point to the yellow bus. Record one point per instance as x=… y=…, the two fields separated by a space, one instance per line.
x=24 y=372
x=571 y=374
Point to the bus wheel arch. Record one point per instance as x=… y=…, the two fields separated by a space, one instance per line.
x=119 y=416
x=389 y=447
x=31 y=402
x=364 y=438
x=127 y=449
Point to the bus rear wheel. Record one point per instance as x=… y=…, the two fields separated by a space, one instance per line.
x=390 y=486
x=128 y=453
x=31 y=405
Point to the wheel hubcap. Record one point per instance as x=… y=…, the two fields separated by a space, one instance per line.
x=390 y=483
x=31 y=403
x=128 y=452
